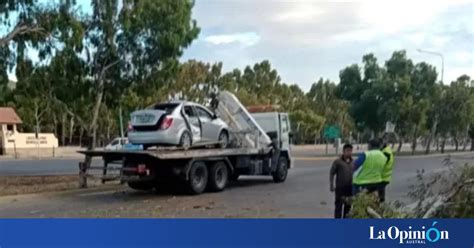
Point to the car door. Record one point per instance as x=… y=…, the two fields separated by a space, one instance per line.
x=194 y=123
x=209 y=128
x=285 y=132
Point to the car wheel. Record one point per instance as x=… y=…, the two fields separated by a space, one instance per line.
x=185 y=140
x=223 y=139
x=218 y=176
x=281 y=171
x=198 y=175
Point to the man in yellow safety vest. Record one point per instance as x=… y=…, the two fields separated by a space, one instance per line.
x=368 y=169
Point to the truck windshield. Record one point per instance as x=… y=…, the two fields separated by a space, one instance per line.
x=167 y=107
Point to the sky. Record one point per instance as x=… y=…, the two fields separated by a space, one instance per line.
x=306 y=40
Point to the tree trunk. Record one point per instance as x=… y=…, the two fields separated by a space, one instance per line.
x=109 y=127
x=443 y=143
x=472 y=144
x=71 y=130
x=63 y=129
x=81 y=133
x=400 y=143
x=466 y=139
x=430 y=138
x=92 y=132
x=37 y=119
x=413 y=145
x=456 y=143
x=437 y=144
x=95 y=116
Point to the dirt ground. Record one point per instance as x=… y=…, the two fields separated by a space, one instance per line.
x=14 y=185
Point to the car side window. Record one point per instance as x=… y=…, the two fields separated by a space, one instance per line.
x=188 y=110
x=203 y=113
x=284 y=123
x=115 y=142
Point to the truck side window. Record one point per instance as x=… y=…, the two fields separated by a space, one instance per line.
x=284 y=123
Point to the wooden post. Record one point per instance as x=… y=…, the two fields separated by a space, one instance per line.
x=82 y=175
x=14 y=148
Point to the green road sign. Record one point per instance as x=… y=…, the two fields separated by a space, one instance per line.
x=331 y=132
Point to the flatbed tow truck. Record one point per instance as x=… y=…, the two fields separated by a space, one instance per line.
x=260 y=147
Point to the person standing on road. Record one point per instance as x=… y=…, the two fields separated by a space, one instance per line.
x=368 y=169
x=387 y=170
x=342 y=169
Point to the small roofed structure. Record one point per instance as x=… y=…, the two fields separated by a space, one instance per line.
x=14 y=142
x=9 y=116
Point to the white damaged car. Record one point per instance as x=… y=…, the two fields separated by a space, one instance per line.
x=177 y=123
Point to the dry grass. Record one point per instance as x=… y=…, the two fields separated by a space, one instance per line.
x=13 y=185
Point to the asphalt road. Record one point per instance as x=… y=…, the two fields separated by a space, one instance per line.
x=304 y=194
x=69 y=166
x=45 y=166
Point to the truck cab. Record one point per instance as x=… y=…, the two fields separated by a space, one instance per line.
x=277 y=127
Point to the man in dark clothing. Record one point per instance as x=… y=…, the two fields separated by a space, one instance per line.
x=342 y=169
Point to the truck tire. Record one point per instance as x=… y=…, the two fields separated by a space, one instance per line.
x=218 y=176
x=140 y=185
x=281 y=172
x=198 y=176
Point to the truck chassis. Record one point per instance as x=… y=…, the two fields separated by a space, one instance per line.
x=198 y=169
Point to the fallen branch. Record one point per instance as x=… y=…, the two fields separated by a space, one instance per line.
x=442 y=200
x=373 y=213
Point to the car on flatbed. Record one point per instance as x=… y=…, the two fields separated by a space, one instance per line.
x=261 y=146
x=177 y=123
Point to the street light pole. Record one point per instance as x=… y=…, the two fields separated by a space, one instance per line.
x=436 y=54
x=435 y=122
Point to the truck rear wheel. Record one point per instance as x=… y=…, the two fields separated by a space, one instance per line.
x=279 y=175
x=218 y=176
x=140 y=185
x=198 y=175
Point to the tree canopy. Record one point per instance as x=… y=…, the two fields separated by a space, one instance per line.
x=124 y=55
